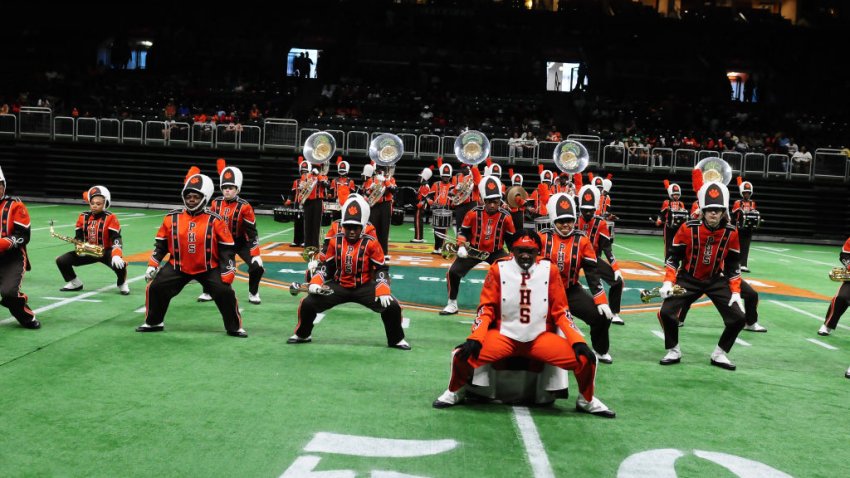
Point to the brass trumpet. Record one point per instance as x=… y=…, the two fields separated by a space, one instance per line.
x=839 y=274
x=449 y=251
x=648 y=294
x=296 y=287
x=309 y=253
x=80 y=247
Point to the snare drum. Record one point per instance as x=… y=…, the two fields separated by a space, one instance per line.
x=332 y=206
x=397 y=218
x=541 y=223
x=442 y=218
x=752 y=219
x=286 y=214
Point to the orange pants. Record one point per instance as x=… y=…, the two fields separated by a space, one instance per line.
x=548 y=347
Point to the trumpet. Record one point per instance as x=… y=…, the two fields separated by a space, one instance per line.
x=839 y=274
x=297 y=287
x=80 y=247
x=309 y=253
x=648 y=294
x=449 y=251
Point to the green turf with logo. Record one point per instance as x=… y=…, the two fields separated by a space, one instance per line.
x=88 y=396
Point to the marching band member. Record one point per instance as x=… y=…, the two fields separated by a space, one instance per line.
x=745 y=230
x=596 y=230
x=14 y=237
x=355 y=270
x=522 y=300
x=342 y=185
x=485 y=228
x=540 y=196
x=298 y=226
x=708 y=252
x=569 y=249
x=382 y=210
x=440 y=198
x=240 y=219
x=99 y=227
x=313 y=207
x=200 y=248
x=518 y=212
x=421 y=204
x=365 y=176
x=671 y=215
x=564 y=185
x=468 y=177
x=839 y=303
x=493 y=169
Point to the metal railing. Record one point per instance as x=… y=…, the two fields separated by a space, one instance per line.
x=284 y=134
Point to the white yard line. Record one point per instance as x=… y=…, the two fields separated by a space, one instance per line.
x=658 y=334
x=822 y=344
x=788 y=256
x=43 y=206
x=540 y=466
x=801 y=311
x=639 y=253
x=275 y=234
x=71 y=300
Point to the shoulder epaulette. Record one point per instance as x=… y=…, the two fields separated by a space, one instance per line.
x=694 y=222
x=175 y=211
x=214 y=214
x=219 y=198
x=477 y=208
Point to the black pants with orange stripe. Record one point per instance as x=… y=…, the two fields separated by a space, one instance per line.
x=717 y=290
x=418 y=223
x=12 y=264
x=169 y=282
x=312 y=222
x=751 y=303
x=581 y=305
x=363 y=295
x=460 y=213
x=380 y=217
x=67 y=261
x=255 y=272
x=461 y=267
x=669 y=234
x=615 y=287
x=745 y=235
x=838 y=306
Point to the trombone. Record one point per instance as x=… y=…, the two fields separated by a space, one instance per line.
x=647 y=295
x=450 y=247
x=839 y=274
x=296 y=288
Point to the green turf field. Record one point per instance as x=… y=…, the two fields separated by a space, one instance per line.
x=88 y=396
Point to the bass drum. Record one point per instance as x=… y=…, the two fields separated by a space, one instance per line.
x=397 y=219
x=406 y=199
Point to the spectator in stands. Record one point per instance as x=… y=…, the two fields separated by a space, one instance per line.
x=529 y=142
x=515 y=145
x=4 y=109
x=170 y=110
x=554 y=135
x=801 y=161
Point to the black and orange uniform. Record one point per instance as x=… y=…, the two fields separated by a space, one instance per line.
x=568 y=188
x=438 y=198
x=485 y=232
x=597 y=233
x=694 y=210
x=240 y=219
x=356 y=272
x=313 y=208
x=571 y=255
x=339 y=190
x=672 y=215
x=14 y=237
x=421 y=209
x=200 y=247
x=382 y=210
x=462 y=181
x=102 y=230
x=745 y=228
x=704 y=261
x=518 y=316
x=540 y=197
x=334 y=229
x=838 y=305
x=518 y=212
x=298 y=225
x=604 y=209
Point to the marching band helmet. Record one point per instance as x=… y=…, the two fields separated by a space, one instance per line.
x=490 y=188
x=2 y=178
x=672 y=189
x=98 y=191
x=446 y=170
x=355 y=211
x=744 y=187
x=516 y=178
x=713 y=195
x=342 y=167
x=561 y=206
x=598 y=182
x=199 y=183
x=588 y=198
x=303 y=165
x=545 y=175
x=228 y=175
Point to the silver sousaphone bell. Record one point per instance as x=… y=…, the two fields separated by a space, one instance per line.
x=472 y=147
x=571 y=157
x=715 y=170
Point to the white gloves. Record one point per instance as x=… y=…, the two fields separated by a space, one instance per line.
x=666 y=289
x=462 y=253
x=149 y=273
x=605 y=310
x=257 y=260
x=314 y=288
x=736 y=299
x=385 y=300
x=312 y=265
x=118 y=262
x=618 y=276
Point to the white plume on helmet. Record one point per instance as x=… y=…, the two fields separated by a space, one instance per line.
x=426 y=174
x=199 y=183
x=368 y=170
x=606 y=185
x=2 y=178
x=490 y=188
x=582 y=194
x=99 y=191
x=559 y=209
x=355 y=211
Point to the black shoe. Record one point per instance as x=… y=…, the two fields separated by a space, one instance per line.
x=33 y=324
x=723 y=365
x=150 y=328
x=238 y=333
x=298 y=340
x=847 y=374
